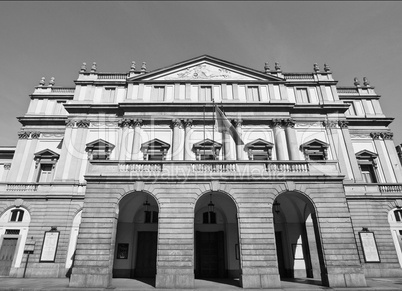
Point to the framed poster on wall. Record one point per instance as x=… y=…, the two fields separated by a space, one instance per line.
x=49 y=247
x=369 y=246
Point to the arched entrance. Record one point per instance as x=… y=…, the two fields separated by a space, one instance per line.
x=136 y=237
x=297 y=242
x=216 y=238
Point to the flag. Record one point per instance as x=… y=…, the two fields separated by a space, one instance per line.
x=223 y=125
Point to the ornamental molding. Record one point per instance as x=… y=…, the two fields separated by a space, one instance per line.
x=360 y=135
x=104 y=124
x=308 y=124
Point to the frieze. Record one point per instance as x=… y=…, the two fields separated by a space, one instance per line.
x=308 y=124
x=360 y=135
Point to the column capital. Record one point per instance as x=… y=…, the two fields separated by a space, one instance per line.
x=176 y=123
x=7 y=166
x=289 y=123
x=387 y=135
x=70 y=123
x=188 y=123
x=343 y=124
x=125 y=122
x=84 y=123
x=330 y=123
x=276 y=122
x=137 y=122
x=238 y=122
x=24 y=134
x=35 y=134
x=375 y=135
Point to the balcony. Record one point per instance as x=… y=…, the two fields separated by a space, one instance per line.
x=212 y=169
x=373 y=189
x=52 y=188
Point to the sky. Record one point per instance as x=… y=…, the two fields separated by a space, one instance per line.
x=53 y=38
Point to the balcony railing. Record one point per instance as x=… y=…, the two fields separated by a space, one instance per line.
x=41 y=187
x=213 y=169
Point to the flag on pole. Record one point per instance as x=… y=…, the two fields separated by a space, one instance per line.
x=223 y=125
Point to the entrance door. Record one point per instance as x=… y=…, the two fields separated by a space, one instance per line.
x=145 y=266
x=7 y=255
x=210 y=255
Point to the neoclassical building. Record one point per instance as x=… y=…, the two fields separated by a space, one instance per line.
x=133 y=175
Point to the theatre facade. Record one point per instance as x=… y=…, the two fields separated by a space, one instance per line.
x=132 y=175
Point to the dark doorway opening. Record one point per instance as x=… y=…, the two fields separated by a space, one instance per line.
x=210 y=255
x=7 y=255
x=146 y=254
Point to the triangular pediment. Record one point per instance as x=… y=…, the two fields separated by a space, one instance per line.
x=46 y=154
x=259 y=144
x=155 y=144
x=207 y=143
x=315 y=143
x=366 y=154
x=206 y=68
x=100 y=144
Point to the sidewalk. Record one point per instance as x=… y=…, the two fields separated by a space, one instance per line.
x=61 y=284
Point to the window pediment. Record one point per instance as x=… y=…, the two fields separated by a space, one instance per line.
x=155 y=149
x=46 y=154
x=315 y=149
x=366 y=155
x=315 y=143
x=207 y=149
x=259 y=149
x=99 y=149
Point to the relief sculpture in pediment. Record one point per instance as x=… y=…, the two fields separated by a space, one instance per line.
x=206 y=72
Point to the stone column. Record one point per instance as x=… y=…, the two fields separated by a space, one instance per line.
x=291 y=139
x=188 y=123
x=124 y=153
x=396 y=163
x=135 y=152
x=280 y=140
x=383 y=159
x=19 y=157
x=239 y=148
x=67 y=151
x=176 y=125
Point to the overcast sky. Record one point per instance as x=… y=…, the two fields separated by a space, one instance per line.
x=52 y=39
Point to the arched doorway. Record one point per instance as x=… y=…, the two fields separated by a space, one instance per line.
x=216 y=238
x=14 y=227
x=297 y=241
x=136 y=237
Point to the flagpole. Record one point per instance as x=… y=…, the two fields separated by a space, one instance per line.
x=213 y=127
x=204 y=128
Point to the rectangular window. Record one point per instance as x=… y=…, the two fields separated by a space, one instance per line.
x=100 y=155
x=368 y=173
x=352 y=109
x=302 y=95
x=109 y=95
x=205 y=93
x=158 y=93
x=253 y=94
x=45 y=173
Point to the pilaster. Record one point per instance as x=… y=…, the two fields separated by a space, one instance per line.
x=383 y=160
x=280 y=140
x=396 y=163
x=188 y=123
x=176 y=148
x=135 y=152
x=239 y=148
x=125 y=139
x=291 y=139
